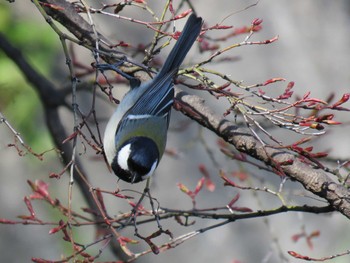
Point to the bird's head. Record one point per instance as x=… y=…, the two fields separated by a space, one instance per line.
x=136 y=159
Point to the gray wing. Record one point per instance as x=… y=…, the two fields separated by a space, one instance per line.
x=157 y=98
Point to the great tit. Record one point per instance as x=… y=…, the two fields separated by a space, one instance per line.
x=135 y=136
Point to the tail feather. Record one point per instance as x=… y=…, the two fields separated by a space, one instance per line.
x=184 y=43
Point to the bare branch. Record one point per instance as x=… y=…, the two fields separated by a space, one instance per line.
x=314 y=180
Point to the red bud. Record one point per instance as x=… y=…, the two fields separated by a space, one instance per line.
x=257 y=22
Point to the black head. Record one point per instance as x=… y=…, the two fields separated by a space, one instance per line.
x=136 y=159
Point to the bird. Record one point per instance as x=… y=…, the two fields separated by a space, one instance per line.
x=135 y=136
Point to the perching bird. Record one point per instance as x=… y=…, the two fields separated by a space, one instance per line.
x=135 y=136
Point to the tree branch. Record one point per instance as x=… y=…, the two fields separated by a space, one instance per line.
x=51 y=99
x=66 y=14
x=314 y=180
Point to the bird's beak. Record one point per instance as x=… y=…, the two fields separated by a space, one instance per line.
x=133 y=178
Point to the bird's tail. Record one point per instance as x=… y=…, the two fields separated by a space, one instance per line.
x=184 y=43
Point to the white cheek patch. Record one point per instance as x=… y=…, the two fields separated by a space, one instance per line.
x=123 y=157
x=154 y=166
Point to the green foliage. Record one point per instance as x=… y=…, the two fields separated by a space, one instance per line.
x=18 y=100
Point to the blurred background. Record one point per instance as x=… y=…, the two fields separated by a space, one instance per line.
x=312 y=51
